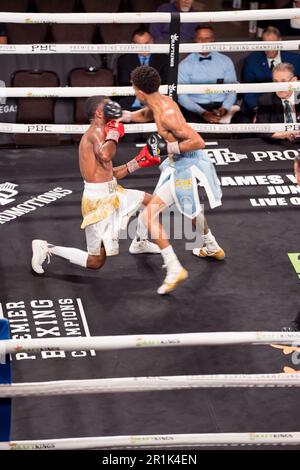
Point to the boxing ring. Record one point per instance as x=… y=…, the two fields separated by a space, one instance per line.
x=139 y=343
x=143 y=384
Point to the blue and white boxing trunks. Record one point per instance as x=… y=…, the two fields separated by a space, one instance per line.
x=179 y=180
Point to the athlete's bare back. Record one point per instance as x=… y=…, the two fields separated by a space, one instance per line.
x=171 y=124
x=168 y=119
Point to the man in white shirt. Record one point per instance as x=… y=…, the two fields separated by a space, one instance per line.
x=206 y=68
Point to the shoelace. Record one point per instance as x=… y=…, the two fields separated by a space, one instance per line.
x=48 y=257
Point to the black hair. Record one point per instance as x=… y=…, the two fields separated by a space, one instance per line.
x=146 y=79
x=204 y=26
x=140 y=31
x=92 y=104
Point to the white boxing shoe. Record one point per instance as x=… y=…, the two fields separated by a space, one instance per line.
x=143 y=246
x=40 y=252
x=172 y=280
x=204 y=252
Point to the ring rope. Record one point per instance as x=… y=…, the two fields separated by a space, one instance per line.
x=151 y=383
x=102 y=343
x=10 y=128
x=72 y=92
x=155 y=17
x=291 y=45
x=159 y=440
x=147 y=384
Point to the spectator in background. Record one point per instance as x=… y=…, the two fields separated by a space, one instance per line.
x=289 y=27
x=282 y=106
x=258 y=68
x=206 y=68
x=3 y=36
x=161 y=31
x=263 y=24
x=128 y=62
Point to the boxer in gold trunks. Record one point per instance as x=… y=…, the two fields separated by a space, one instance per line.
x=106 y=206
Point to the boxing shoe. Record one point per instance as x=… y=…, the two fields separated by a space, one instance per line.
x=40 y=252
x=172 y=280
x=204 y=252
x=143 y=246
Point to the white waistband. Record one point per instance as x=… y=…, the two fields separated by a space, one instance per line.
x=101 y=189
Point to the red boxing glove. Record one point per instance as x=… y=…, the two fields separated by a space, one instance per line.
x=114 y=131
x=142 y=160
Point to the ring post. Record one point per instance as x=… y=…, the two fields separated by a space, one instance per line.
x=5 y=378
x=174 y=55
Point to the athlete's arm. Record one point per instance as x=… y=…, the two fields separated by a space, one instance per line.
x=143 y=160
x=104 y=151
x=120 y=171
x=188 y=139
x=142 y=115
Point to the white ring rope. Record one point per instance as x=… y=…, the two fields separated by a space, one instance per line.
x=291 y=45
x=158 y=440
x=9 y=128
x=157 y=17
x=147 y=384
x=72 y=92
x=102 y=343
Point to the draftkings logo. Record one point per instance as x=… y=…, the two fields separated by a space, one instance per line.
x=295 y=260
x=174 y=40
x=172 y=90
x=7 y=193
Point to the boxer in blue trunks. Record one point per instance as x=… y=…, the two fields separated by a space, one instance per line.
x=186 y=167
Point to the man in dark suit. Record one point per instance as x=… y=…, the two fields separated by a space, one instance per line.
x=258 y=68
x=282 y=106
x=128 y=62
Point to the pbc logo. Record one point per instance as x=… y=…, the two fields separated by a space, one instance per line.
x=7 y=192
